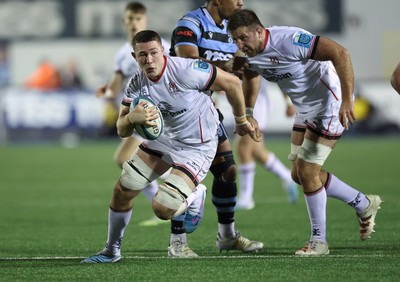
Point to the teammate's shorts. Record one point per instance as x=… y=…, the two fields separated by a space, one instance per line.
x=221 y=131
x=322 y=122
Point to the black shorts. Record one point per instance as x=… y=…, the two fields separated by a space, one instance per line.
x=222 y=134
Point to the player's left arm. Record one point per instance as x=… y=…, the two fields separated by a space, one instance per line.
x=328 y=50
x=395 y=79
x=229 y=83
x=251 y=89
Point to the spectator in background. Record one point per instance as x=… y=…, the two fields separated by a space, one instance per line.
x=46 y=77
x=70 y=76
x=395 y=79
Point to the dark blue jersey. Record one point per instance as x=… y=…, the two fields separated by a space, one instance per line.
x=198 y=28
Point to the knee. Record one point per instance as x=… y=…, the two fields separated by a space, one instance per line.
x=169 y=200
x=307 y=173
x=161 y=211
x=229 y=174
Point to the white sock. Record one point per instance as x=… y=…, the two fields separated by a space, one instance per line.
x=316 y=207
x=226 y=230
x=274 y=165
x=117 y=222
x=150 y=190
x=338 y=189
x=175 y=237
x=246 y=183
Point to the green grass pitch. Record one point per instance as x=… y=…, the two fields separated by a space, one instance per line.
x=54 y=204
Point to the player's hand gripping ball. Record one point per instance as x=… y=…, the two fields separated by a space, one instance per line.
x=148 y=132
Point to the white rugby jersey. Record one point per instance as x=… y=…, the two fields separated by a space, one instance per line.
x=180 y=93
x=286 y=60
x=125 y=63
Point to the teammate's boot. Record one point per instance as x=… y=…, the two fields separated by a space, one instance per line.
x=244 y=204
x=238 y=242
x=180 y=250
x=153 y=221
x=313 y=247
x=367 y=217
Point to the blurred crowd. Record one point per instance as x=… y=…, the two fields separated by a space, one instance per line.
x=48 y=76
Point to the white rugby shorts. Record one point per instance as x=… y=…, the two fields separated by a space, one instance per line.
x=194 y=159
x=322 y=121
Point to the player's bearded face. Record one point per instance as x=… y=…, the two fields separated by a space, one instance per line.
x=150 y=58
x=246 y=40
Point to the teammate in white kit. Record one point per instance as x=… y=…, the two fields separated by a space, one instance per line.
x=317 y=74
x=250 y=152
x=134 y=20
x=188 y=144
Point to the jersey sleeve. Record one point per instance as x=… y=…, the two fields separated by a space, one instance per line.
x=303 y=44
x=187 y=32
x=198 y=75
x=132 y=90
x=118 y=58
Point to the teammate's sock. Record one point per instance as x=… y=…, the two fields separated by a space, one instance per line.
x=336 y=188
x=246 y=177
x=117 y=222
x=177 y=229
x=150 y=190
x=316 y=207
x=224 y=200
x=226 y=230
x=274 y=165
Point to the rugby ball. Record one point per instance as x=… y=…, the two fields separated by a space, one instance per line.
x=148 y=132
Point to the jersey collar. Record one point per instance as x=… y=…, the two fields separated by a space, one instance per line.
x=266 y=37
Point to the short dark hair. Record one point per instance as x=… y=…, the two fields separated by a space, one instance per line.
x=243 y=18
x=146 y=36
x=136 y=7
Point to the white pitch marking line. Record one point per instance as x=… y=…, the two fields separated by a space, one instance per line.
x=201 y=257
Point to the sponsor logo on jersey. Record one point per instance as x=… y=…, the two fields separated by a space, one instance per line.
x=303 y=39
x=217 y=56
x=187 y=33
x=274 y=60
x=167 y=110
x=270 y=76
x=202 y=66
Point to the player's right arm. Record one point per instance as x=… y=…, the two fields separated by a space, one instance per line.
x=127 y=118
x=139 y=115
